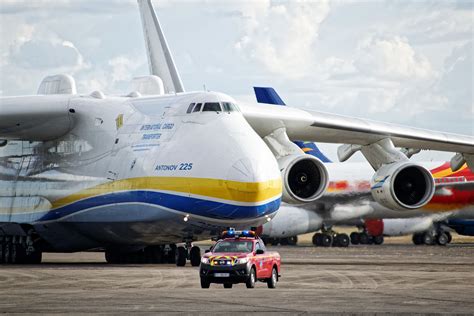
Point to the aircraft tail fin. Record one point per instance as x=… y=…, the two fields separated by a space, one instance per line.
x=311 y=148
x=160 y=60
x=267 y=95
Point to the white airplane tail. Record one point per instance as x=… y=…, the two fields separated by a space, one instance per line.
x=160 y=60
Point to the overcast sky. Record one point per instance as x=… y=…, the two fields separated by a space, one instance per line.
x=407 y=62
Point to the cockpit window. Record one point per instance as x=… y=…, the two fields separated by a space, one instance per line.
x=190 y=108
x=229 y=107
x=212 y=107
x=197 y=108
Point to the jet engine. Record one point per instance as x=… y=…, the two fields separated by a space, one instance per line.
x=402 y=186
x=305 y=178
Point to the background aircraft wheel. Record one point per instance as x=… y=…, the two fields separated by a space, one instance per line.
x=417 y=239
x=450 y=237
x=181 y=256
x=227 y=285
x=442 y=239
x=364 y=239
x=326 y=240
x=427 y=239
x=342 y=240
x=355 y=238
x=378 y=240
x=250 y=284
x=195 y=255
x=205 y=283
x=317 y=239
x=272 y=281
x=293 y=240
x=284 y=241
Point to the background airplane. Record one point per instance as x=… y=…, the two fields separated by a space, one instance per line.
x=347 y=201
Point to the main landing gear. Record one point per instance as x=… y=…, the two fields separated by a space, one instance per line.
x=437 y=237
x=18 y=250
x=149 y=254
x=157 y=254
x=330 y=238
x=364 y=238
x=286 y=241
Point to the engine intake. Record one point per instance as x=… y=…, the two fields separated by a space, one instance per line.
x=305 y=178
x=403 y=186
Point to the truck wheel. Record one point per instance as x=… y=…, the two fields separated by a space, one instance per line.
x=227 y=285
x=195 y=255
x=181 y=256
x=355 y=238
x=252 y=279
x=205 y=283
x=272 y=281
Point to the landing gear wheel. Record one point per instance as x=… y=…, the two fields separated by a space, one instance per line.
x=284 y=242
x=195 y=255
x=326 y=240
x=378 y=240
x=442 y=239
x=181 y=256
x=293 y=240
x=272 y=281
x=450 y=237
x=355 y=238
x=427 y=239
x=250 y=284
x=417 y=239
x=205 y=283
x=364 y=239
x=317 y=239
x=227 y=285
x=342 y=240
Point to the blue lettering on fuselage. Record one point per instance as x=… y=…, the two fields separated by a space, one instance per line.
x=166 y=167
x=151 y=136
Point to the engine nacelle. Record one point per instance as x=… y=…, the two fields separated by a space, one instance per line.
x=305 y=178
x=402 y=186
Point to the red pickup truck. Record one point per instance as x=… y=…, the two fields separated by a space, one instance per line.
x=239 y=257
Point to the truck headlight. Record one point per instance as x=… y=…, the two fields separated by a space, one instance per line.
x=241 y=260
x=205 y=260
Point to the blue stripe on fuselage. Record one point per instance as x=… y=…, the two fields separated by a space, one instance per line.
x=189 y=205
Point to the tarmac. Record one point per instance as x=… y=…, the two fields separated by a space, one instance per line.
x=391 y=278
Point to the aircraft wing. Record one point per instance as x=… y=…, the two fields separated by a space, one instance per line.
x=34 y=118
x=315 y=126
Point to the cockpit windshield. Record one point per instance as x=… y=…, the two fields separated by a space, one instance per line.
x=212 y=107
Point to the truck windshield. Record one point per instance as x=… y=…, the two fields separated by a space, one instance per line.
x=233 y=246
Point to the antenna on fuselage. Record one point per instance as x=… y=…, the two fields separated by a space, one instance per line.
x=160 y=60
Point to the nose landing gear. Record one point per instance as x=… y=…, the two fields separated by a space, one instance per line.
x=188 y=252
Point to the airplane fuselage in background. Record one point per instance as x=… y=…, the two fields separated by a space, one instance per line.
x=139 y=171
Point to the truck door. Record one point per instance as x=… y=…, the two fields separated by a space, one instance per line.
x=261 y=262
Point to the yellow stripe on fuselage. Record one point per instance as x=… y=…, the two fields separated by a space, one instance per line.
x=447 y=172
x=250 y=192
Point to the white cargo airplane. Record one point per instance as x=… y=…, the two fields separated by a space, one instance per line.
x=162 y=166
